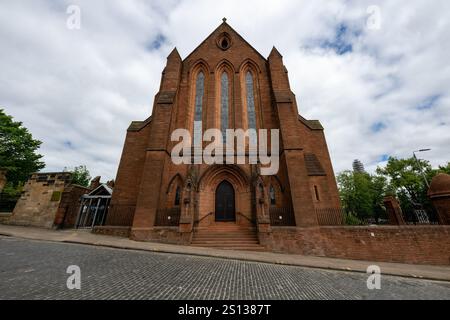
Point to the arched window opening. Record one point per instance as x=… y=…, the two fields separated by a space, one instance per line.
x=199 y=92
x=178 y=196
x=251 y=115
x=224 y=104
x=224 y=43
x=272 y=195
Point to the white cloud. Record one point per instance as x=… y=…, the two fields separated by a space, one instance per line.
x=85 y=86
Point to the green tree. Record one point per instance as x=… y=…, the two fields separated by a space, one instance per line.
x=81 y=176
x=406 y=177
x=442 y=169
x=18 y=151
x=407 y=182
x=362 y=195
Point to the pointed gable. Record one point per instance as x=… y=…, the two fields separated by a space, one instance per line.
x=224 y=43
x=101 y=190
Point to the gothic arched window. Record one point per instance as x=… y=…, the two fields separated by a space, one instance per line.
x=224 y=104
x=199 y=92
x=261 y=190
x=251 y=115
x=177 y=196
x=272 y=195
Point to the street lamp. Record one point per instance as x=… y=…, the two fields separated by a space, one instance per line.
x=420 y=167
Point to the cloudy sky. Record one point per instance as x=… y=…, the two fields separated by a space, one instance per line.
x=378 y=78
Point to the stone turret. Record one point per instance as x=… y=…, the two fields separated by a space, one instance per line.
x=439 y=194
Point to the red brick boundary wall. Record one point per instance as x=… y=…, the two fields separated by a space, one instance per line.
x=112 y=231
x=170 y=235
x=403 y=244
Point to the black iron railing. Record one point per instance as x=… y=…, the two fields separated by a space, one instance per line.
x=282 y=217
x=120 y=215
x=330 y=216
x=168 y=217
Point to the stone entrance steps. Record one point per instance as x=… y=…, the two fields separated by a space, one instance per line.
x=227 y=235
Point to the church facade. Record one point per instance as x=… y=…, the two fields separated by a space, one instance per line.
x=225 y=84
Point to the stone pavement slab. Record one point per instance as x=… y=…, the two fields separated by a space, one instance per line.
x=88 y=238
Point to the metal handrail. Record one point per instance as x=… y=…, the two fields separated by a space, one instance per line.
x=241 y=214
x=207 y=215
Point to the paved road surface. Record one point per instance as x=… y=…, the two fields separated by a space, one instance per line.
x=37 y=270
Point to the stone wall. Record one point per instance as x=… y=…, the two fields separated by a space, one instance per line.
x=69 y=206
x=170 y=235
x=40 y=200
x=400 y=244
x=4 y=217
x=112 y=231
x=403 y=244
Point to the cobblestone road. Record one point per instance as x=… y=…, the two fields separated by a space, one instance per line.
x=37 y=270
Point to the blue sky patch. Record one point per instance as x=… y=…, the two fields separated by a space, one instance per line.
x=378 y=126
x=429 y=102
x=341 y=43
x=157 y=42
x=383 y=158
x=68 y=144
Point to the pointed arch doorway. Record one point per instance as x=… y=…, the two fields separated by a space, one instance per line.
x=225 y=206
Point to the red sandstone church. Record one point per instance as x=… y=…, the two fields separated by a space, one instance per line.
x=225 y=83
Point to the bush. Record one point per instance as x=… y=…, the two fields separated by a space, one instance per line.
x=351 y=220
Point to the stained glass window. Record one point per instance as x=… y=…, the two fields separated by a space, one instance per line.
x=199 y=91
x=250 y=101
x=272 y=195
x=224 y=104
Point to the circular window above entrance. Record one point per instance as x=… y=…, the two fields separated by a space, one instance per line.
x=224 y=41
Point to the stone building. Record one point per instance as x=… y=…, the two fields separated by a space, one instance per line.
x=225 y=84
x=40 y=199
x=69 y=206
x=50 y=200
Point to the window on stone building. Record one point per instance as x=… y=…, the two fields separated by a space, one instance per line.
x=177 y=196
x=199 y=92
x=224 y=43
x=316 y=191
x=272 y=195
x=250 y=101
x=224 y=104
